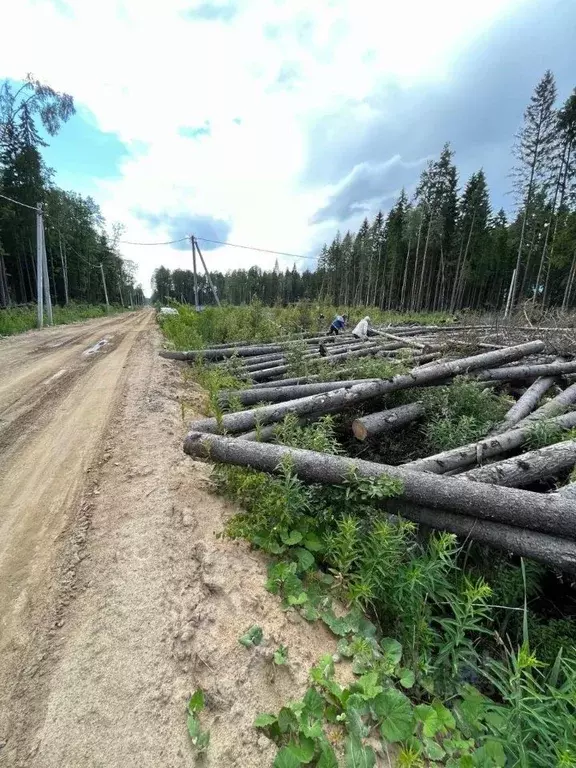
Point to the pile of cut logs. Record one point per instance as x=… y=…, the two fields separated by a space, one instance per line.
x=486 y=501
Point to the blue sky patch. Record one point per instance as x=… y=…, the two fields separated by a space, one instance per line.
x=81 y=153
x=207 y=11
x=181 y=224
x=195 y=132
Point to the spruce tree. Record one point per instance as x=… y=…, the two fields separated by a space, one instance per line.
x=534 y=151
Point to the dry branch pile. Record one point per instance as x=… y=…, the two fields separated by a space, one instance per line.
x=498 y=497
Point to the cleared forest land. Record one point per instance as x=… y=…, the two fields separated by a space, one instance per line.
x=450 y=596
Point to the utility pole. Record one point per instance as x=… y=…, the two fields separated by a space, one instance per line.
x=46 y=279
x=105 y=291
x=210 y=283
x=193 y=244
x=39 y=268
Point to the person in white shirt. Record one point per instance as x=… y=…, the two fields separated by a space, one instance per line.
x=361 y=330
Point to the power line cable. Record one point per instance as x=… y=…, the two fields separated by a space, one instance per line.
x=17 y=202
x=253 y=248
x=182 y=239
x=167 y=242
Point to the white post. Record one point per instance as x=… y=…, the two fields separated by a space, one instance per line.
x=46 y=280
x=39 y=268
x=105 y=291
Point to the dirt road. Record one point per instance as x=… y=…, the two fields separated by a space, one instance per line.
x=116 y=598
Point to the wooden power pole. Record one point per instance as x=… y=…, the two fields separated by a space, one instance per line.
x=193 y=244
x=196 y=247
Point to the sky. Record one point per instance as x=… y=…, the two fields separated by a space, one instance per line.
x=276 y=123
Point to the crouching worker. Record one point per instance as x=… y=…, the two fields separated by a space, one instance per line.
x=363 y=330
x=338 y=324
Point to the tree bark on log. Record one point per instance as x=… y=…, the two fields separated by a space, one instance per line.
x=473 y=453
x=268 y=373
x=385 y=421
x=557 y=405
x=512 y=373
x=280 y=394
x=284 y=382
x=554 y=551
x=219 y=354
x=404 y=341
x=568 y=491
x=247 y=420
x=528 y=467
x=525 y=404
x=546 y=513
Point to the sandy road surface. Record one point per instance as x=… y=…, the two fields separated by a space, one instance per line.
x=116 y=597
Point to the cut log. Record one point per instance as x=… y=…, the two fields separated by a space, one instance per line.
x=394 y=418
x=268 y=373
x=568 y=491
x=280 y=394
x=554 y=551
x=559 y=404
x=218 y=354
x=513 y=373
x=527 y=468
x=403 y=341
x=525 y=404
x=283 y=382
x=323 y=403
x=472 y=453
x=546 y=513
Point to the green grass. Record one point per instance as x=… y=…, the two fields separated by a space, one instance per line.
x=257 y=323
x=21 y=319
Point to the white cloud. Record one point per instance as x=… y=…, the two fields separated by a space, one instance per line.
x=146 y=69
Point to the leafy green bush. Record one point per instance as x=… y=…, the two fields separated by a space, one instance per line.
x=461 y=413
x=258 y=323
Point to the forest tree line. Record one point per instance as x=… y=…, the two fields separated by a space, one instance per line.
x=446 y=248
x=75 y=235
